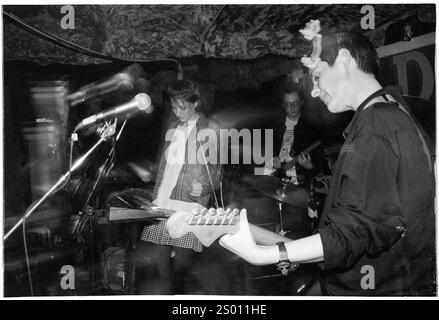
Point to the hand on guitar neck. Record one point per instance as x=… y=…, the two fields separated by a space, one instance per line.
x=252 y=243
x=303 y=158
x=209 y=225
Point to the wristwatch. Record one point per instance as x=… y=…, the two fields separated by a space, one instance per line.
x=284 y=264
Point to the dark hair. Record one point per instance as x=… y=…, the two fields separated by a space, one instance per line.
x=361 y=49
x=184 y=89
x=291 y=87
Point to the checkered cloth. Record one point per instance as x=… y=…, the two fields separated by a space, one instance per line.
x=157 y=234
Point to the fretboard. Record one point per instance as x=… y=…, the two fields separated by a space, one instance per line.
x=290 y=164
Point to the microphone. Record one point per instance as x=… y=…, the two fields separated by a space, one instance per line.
x=123 y=80
x=140 y=102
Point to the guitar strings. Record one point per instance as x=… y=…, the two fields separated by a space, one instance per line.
x=221 y=194
x=208 y=174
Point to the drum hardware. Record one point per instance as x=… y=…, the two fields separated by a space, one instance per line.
x=279 y=190
x=282 y=191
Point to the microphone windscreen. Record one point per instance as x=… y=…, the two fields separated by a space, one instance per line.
x=143 y=102
x=124 y=81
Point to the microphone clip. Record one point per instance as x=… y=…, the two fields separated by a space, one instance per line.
x=107 y=129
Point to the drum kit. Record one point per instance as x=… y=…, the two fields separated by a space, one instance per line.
x=135 y=204
x=282 y=191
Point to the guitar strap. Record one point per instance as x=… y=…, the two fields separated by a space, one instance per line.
x=210 y=178
x=394 y=92
x=402 y=105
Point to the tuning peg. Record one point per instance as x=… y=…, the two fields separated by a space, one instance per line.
x=233 y=215
x=190 y=219
x=199 y=219
x=193 y=219
x=228 y=216
x=219 y=213
x=210 y=213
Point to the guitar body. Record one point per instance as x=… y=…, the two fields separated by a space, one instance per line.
x=281 y=173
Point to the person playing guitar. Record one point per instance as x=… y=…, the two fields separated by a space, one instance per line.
x=300 y=156
x=376 y=235
x=181 y=185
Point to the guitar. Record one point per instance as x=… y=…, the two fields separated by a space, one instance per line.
x=139 y=208
x=209 y=225
x=285 y=166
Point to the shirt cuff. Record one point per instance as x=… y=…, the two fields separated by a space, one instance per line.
x=328 y=238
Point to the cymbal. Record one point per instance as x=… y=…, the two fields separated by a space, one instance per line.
x=276 y=189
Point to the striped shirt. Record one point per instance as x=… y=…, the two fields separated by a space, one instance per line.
x=287 y=142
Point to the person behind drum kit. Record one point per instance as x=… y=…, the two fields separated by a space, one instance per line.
x=180 y=184
x=294 y=137
x=377 y=231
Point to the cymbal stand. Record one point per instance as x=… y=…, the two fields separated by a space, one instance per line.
x=282 y=192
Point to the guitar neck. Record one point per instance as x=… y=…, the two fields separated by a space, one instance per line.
x=166 y=211
x=305 y=152
x=209 y=225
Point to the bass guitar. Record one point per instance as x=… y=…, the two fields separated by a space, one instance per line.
x=285 y=166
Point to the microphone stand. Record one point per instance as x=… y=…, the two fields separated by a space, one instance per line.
x=61 y=180
x=88 y=213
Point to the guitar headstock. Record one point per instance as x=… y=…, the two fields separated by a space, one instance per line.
x=206 y=225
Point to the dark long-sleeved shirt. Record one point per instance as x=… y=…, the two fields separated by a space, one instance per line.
x=378 y=221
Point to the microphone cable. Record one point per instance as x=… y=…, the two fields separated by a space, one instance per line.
x=75 y=47
x=26 y=254
x=210 y=178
